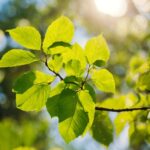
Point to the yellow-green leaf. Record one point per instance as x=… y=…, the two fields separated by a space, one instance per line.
x=29 y=79
x=96 y=49
x=72 y=117
x=121 y=120
x=34 y=98
x=89 y=106
x=61 y=30
x=103 y=80
x=26 y=36
x=144 y=82
x=17 y=57
x=56 y=63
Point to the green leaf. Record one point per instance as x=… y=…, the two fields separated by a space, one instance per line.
x=56 y=63
x=119 y=102
x=89 y=106
x=99 y=63
x=139 y=64
x=102 y=128
x=73 y=68
x=103 y=80
x=97 y=49
x=26 y=36
x=144 y=82
x=75 y=53
x=32 y=90
x=138 y=133
x=17 y=57
x=58 y=50
x=57 y=89
x=121 y=120
x=72 y=79
x=29 y=79
x=91 y=91
x=116 y=103
x=72 y=117
x=61 y=30
x=34 y=98
x=74 y=60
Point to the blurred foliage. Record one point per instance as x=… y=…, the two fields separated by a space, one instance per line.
x=24 y=133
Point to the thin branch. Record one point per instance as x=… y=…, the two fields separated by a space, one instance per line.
x=82 y=84
x=121 y=110
x=58 y=75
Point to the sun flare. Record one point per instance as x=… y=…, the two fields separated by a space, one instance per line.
x=114 y=8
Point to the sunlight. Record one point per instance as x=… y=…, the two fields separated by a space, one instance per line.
x=115 y=8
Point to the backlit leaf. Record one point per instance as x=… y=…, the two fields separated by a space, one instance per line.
x=89 y=106
x=26 y=36
x=103 y=80
x=31 y=78
x=17 y=57
x=121 y=120
x=61 y=30
x=55 y=63
x=72 y=117
x=97 y=49
x=34 y=98
x=144 y=82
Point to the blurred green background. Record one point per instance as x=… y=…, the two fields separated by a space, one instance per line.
x=126 y=26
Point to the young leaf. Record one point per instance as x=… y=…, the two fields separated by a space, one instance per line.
x=103 y=80
x=121 y=120
x=78 y=54
x=56 y=63
x=29 y=79
x=61 y=30
x=73 y=68
x=34 y=98
x=91 y=91
x=116 y=103
x=144 y=82
x=75 y=60
x=58 y=50
x=75 y=53
x=88 y=105
x=102 y=128
x=97 y=49
x=17 y=57
x=26 y=36
x=72 y=118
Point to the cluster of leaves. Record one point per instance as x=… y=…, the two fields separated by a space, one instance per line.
x=138 y=79
x=138 y=97
x=139 y=71
x=73 y=98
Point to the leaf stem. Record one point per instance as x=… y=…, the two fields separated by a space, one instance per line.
x=122 y=110
x=84 y=81
x=57 y=74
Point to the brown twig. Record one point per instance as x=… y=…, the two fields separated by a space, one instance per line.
x=121 y=110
